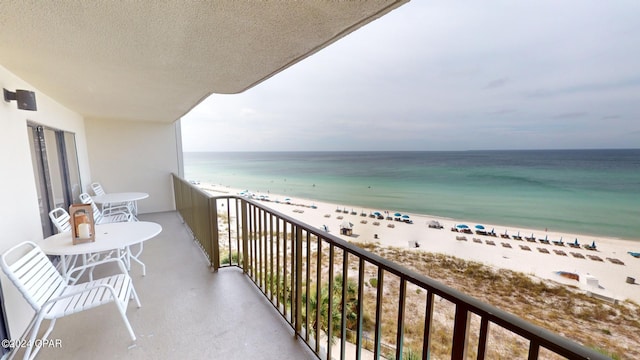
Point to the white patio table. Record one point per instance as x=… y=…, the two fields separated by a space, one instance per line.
x=121 y=197
x=109 y=237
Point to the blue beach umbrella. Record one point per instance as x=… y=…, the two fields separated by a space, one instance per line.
x=397 y=214
x=479 y=227
x=576 y=243
x=593 y=244
x=405 y=216
x=377 y=213
x=462 y=226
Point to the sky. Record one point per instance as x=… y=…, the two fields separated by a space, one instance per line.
x=448 y=75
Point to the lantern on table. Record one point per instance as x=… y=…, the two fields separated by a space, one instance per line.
x=83 y=228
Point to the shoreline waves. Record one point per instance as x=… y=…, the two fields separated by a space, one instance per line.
x=591 y=192
x=605 y=271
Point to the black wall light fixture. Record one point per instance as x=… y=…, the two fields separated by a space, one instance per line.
x=26 y=99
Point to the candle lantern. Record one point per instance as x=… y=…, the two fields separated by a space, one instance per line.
x=83 y=228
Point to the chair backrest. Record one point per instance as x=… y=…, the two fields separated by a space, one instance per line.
x=33 y=274
x=97 y=189
x=97 y=214
x=60 y=218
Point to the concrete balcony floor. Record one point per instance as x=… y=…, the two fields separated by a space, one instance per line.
x=188 y=312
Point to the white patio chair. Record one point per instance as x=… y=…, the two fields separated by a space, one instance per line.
x=60 y=218
x=121 y=215
x=50 y=295
x=111 y=215
x=99 y=190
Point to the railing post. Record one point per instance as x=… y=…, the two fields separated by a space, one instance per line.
x=460 y=332
x=360 y=314
x=213 y=229
x=401 y=310
x=379 y=295
x=298 y=277
x=428 y=316
x=245 y=236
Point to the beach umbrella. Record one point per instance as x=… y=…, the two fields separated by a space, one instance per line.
x=397 y=214
x=377 y=213
x=479 y=227
x=593 y=244
x=405 y=216
x=462 y=226
x=576 y=243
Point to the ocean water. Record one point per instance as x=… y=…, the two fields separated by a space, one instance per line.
x=593 y=192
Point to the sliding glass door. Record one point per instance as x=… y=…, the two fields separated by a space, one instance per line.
x=55 y=166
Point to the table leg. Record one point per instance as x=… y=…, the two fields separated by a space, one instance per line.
x=136 y=259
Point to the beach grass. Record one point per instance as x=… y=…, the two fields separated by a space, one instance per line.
x=611 y=328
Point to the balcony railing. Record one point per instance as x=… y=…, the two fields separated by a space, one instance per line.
x=341 y=299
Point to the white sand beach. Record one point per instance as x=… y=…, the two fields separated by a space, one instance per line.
x=610 y=264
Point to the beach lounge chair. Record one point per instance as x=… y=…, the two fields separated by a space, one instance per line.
x=634 y=254
x=615 y=261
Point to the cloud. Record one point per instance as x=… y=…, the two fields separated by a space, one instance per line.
x=497 y=83
x=442 y=76
x=570 y=115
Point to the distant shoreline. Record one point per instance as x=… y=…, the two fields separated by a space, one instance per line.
x=590 y=192
x=542 y=260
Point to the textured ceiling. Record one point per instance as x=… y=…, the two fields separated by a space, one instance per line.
x=156 y=60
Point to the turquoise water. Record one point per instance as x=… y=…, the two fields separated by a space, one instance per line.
x=580 y=191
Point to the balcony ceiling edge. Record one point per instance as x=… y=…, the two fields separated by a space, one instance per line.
x=155 y=61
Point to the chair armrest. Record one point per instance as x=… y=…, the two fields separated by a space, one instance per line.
x=74 y=293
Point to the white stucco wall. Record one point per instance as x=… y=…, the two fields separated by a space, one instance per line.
x=134 y=156
x=122 y=155
x=19 y=212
